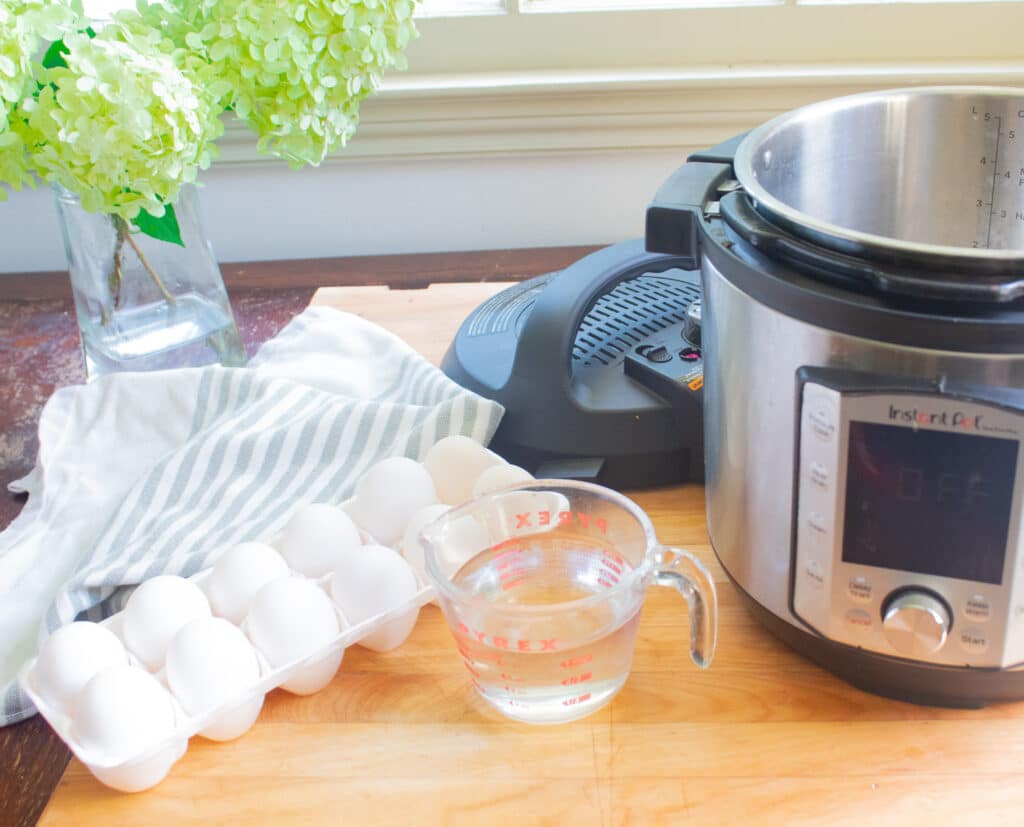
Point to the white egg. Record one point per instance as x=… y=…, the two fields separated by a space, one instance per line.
x=500 y=476
x=70 y=657
x=210 y=662
x=387 y=496
x=412 y=545
x=238 y=574
x=455 y=463
x=155 y=612
x=290 y=619
x=316 y=537
x=373 y=581
x=122 y=711
x=136 y=776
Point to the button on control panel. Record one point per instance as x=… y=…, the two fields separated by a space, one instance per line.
x=859 y=590
x=858 y=621
x=818 y=474
x=973 y=641
x=821 y=411
x=977 y=608
x=814 y=574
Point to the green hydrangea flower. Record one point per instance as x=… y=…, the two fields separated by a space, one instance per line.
x=12 y=162
x=122 y=125
x=24 y=26
x=298 y=70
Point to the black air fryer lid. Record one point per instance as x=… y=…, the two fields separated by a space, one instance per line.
x=594 y=369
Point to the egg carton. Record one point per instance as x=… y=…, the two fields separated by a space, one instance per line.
x=146 y=768
x=384 y=631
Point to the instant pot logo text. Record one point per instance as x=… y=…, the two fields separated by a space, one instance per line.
x=951 y=419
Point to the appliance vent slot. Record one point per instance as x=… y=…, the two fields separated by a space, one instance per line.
x=631 y=312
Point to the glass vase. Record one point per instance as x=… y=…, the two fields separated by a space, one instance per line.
x=141 y=303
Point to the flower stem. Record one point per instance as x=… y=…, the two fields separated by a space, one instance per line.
x=124 y=234
x=118 y=275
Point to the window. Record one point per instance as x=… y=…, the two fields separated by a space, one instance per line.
x=514 y=77
x=705 y=36
x=700 y=36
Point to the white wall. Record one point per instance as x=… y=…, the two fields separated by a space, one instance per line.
x=269 y=212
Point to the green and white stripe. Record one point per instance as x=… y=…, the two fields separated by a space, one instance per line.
x=261 y=445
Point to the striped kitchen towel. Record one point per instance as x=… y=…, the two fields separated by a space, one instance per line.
x=155 y=473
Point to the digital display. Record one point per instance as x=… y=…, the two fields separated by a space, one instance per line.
x=931 y=502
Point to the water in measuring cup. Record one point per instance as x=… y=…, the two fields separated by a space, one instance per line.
x=193 y=331
x=559 y=670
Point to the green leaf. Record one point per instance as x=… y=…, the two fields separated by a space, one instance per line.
x=162 y=229
x=54 y=57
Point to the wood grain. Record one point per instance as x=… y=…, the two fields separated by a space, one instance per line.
x=763 y=737
x=32 y=759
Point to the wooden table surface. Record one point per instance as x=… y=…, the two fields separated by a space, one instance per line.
x=762 y=737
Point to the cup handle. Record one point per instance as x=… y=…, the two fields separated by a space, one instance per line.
x=681 y=570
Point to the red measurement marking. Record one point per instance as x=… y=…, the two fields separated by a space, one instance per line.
x=528 y=519
x=472 y=671
x=570 y=662
x=510 y=571
x=509 y=584
x=577 y=700
x=548 y=645
x=601 y=581
x=506 y=676
x=575 y=679
x=609 y=563
x=501 y=643
x=505 y=544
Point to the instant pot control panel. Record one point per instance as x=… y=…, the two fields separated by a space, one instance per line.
x=907 y=533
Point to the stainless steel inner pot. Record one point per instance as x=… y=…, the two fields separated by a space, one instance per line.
x=933 y=171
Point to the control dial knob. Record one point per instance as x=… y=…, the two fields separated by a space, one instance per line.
x=916 y=623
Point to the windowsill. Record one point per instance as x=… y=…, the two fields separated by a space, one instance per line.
x=516 y=113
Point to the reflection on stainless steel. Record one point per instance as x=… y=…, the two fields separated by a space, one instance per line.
x=936 y=171
x=750 y=408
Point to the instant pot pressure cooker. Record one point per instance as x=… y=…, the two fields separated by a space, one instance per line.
x=862 y=262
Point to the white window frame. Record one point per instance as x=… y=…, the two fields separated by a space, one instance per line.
x=719 y=36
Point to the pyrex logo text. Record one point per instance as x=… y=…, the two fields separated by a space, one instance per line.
x=951 y=419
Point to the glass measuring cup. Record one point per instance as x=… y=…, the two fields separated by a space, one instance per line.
x=542 y=586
